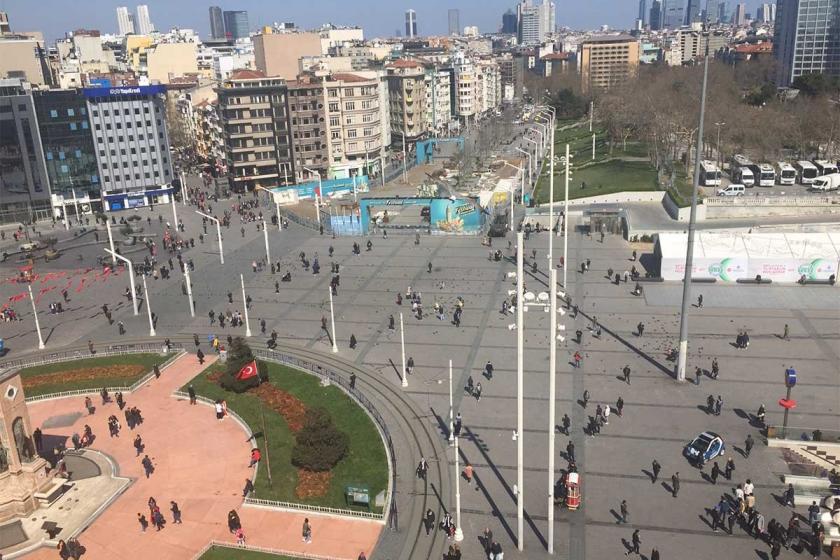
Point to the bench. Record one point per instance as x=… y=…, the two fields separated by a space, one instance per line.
x=53 y=492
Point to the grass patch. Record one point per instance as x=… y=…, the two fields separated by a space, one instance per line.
x=88 y=373
x=683 y=188
x=225 y=553
x=365 y=464
x=602 y=178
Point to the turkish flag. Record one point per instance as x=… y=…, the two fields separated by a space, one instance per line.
x=248 y=371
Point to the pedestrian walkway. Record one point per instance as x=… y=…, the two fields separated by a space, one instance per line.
x=201 y=464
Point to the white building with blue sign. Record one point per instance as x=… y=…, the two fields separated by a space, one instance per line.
x=132 y=145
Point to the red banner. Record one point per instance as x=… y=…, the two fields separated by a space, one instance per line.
x=248 y=371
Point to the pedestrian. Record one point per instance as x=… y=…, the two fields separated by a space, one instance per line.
x=255 y=457
x=715 y=473
x=626 y=372
x=422 y=468
x=585 y=398
x=636 y=541
x=121 y=327
x=698 y=373
x=715 y=368
x=306 y=530
x=144 y=524
x=570 y=451
x=138 y=445
x=625 y=513
x=619 y=405
x=654 y=554
x=89 y=405
x=775 y=550
x=191 y=393
x=176 y=512
x=477 y=391
x=729 y=468
x=786 y=333
x=789 y=496
x=640 y=328
x=352 y=380
x=199 y=355
x=748 y=445
x=429 y=520
x=813 y=513
x=675 y=484
x=577 y=358
x=565 y=423
x=718 y=405
x=391 y=322
x=730 y=521
x=240 y=537
x=429 y=268
x=468 y=473
x=262 y=326
x=249 y=487
x=148 y=467
x=352 y=341
x=487 y=540
x=700 y=301
x=655 y=467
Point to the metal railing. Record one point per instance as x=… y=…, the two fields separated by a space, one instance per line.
x=314 y=509
x=771 y=201
x=804 y=435
x=264 y=550
x=96 y=390
x=67 y=355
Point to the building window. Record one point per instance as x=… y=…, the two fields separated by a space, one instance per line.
x=350 y=105
x=332 y=92
x=351 y=133
x=334 y=121
x=71 y=112
x=53 y=113
x=348 y=92
x=336 y=135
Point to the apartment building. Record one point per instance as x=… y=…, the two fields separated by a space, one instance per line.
x=489 y=85
x=308 y=124
x=24 y=57
x=466 y=87
x=407 y=100
x=254 y=112
x=438 y=84
x=277 y=54
x=607 y=61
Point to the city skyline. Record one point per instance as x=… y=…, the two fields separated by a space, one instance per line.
x=54 y=21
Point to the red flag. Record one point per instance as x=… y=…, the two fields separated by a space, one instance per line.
x=248 y=371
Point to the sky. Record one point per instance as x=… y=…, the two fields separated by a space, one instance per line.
x=377 y=17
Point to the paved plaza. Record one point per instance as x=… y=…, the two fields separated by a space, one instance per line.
x=659 y=416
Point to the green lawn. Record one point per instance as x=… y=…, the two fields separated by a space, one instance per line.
x=602 y=178
x=683 y=187
x=225 y=553
x=365 y=464
x=85 y=373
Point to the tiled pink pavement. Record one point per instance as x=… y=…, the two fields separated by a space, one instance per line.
x=200 y=463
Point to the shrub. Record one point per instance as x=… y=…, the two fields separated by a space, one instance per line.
x=239 y=354
x=319 y=444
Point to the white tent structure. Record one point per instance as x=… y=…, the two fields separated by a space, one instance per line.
x=780 y=257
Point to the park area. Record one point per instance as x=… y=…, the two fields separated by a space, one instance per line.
x=277 y=410
x=627 y=168
x=89 y=373
x=227 y=553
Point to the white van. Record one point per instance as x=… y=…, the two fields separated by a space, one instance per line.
x=732 y=190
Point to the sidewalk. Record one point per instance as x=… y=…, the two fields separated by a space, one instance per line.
x=200 y=463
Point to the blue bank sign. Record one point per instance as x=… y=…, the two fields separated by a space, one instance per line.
x=125 y=90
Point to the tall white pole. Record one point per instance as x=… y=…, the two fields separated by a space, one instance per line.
x=76 y=206
x=451 y=410
x=37 y=323
x=354 y=189
x=402 y=346
x=131 y=278
x=593 y=147
x=174 y=211
x=520 y=431
x=512 y=194
x=566 y=220
x=111 y=240
x=148 y=307
x=552 y=392
x=279 y=218
x=332 y=323
x=459 y=532
x=184 y=194
x=189 y=289
x=245 y=305
x=221 y=248
x=551 y=211
x=591 y=114
x=267 y=250
x=64 y=212
x=405 y=177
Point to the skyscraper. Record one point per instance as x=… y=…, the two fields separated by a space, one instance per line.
x=217 y=23
x=722 y=12
x=534 y=21
x=236 y=24
x=812 y=48
x=766 y=13
x=693 y=12
x=509 y=22
x=643 y=13
x=410 y=23
x=740 y=15
x=144 y=22
x=4 y=23
x=454 y=22
x=655 y=18
x=124 y=23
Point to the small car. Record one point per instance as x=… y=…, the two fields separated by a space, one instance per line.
x=704 y=448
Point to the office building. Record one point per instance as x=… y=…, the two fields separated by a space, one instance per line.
x=509 y=22
x=534 y=21
x=655 y=18
x=454 y=22
x=5 y=27
x=722 y=12
x=607 y=61
x=693 y=12
x=217 y=23
x=643 y=13
x=125 y=23
x=132 y=144
x=673 y=15
x=144 y=21
x=693 y=44
x=254 y=111
x=806 y=39
x=740 y=16
x=236 y=25
x=410 y=23
x=24 y=186
x=24 y=57
x=67 y=141
x=278 y=54
x=766 y=13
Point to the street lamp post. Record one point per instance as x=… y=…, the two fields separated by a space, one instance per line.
x=692 y=225
x=245 y=305
x=520 y=351
x=218 y=233
x=111 y=240
x=541 y=132
x=130 y=276
x=536 y=152
x=76 y=206
x=566 y=217
x=459 y=532
x=719 y=160
x=332 y=323
x=551 y=210
x=183 y=187
x=451 y=410
x=188 y=282
x=37 y=323
x=317 y=194
x=174 y=210
x=267 y=250
x=148 y=307
x=521 y=173
x=402 y=347
x=552 y=409
x=530 y=178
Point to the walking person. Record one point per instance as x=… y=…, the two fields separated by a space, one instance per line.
x=785 y=335
x=748 y=445
x=655 y=468
x=640 y=329
x=625 y=513
x=570 y=451
x=715 y=473
x=675 y=484
x=626 y=372
x=619 y=405
x=700 y=301
x=429 y=520
x=789 y=496
x=636 y=541
x=176 y=512
x=729 y=468
x=306 y=531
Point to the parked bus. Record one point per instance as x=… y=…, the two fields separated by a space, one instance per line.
x=825 y=167
x=740 y=171
x=765 y=175
x=807 y=172
x=709 y=174
x=786 y=174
